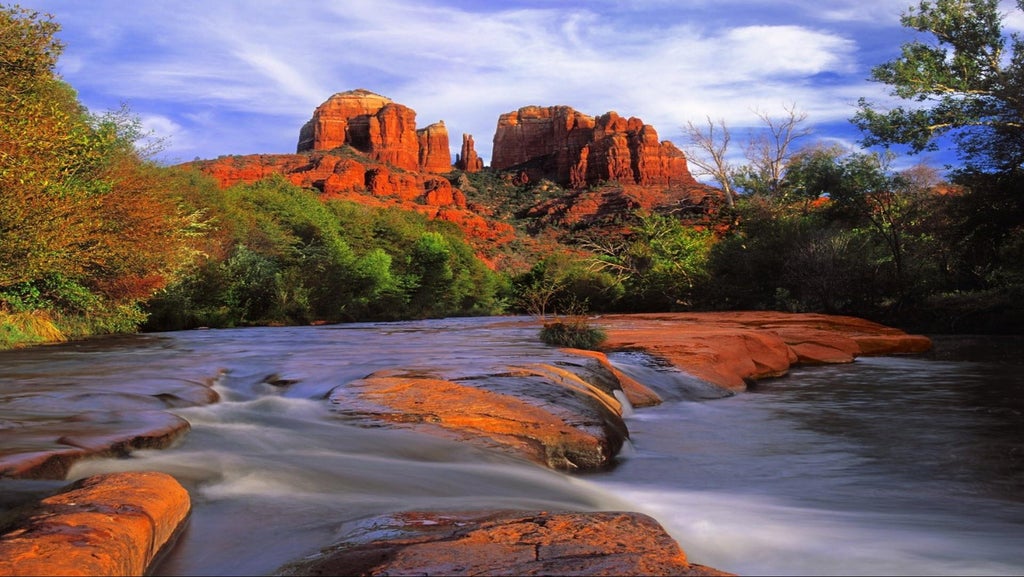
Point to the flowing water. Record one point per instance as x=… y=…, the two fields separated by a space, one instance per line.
x=889 y=465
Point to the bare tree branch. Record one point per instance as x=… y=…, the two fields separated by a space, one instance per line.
x=707 y=152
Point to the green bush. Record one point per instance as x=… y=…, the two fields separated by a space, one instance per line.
x=574 y=333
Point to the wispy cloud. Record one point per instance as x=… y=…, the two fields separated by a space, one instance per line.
x=240 y=77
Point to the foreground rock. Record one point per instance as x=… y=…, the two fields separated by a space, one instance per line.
x=46 y=448
x=114 y=524
x=504 y=543
x=540 y=412
x=735 y=349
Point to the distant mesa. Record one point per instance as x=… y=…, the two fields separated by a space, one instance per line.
x=555 y=143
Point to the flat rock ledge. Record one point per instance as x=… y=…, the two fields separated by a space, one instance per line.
x=113 y=524
x=503 y=543
x=735 y=349
x=540 y=412
x=47 y=448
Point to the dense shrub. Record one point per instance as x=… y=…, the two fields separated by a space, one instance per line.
x=573 y=332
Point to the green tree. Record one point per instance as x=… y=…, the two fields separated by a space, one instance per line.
x=659 y=265
x=962 y=84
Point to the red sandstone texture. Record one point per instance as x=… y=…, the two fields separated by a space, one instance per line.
x=576 y=150
x=540 y=412
x=383 y=130
x=112 y=524
x=504 y=543
x=354 y=177
x=732 y=349
x=468 y=160
x=434 y=154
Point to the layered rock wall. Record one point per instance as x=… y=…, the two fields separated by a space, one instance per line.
x=434 y=154
x=576 y=150
x=382 y=129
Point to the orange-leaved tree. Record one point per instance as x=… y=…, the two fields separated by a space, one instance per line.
x=88 y=227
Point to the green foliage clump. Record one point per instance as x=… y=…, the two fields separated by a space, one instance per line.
x=573 y=332
x=289 y=257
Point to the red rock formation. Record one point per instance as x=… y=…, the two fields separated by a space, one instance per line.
x=47 y=448
x=575 y=150
x=383 y=130
x=735 y=348
x=113 y=524
x=503 y=543
x=468 y=160
x=584 y=432
x=344 y=118
x=357 y=178
x=434 y=154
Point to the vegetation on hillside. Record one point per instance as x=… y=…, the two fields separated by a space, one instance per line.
x=96 y=238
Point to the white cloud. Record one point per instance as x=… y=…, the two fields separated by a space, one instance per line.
x=231 y=75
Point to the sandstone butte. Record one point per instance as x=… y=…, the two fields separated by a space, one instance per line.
x=577 y=150
x=363 y=147
x=564 y=415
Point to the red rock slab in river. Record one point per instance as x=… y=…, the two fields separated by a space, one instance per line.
x=545 y=421
x=732 y=349
x=638 y=394
x=113 y=524
x=45 y=448
x=504 y=543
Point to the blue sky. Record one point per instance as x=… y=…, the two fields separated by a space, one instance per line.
x=216 y=77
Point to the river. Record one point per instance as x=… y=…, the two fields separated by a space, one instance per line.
x=890 y=465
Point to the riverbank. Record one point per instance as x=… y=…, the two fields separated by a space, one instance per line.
x=729 y=350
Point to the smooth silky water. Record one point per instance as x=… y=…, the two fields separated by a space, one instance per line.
x=900 y=465
x=890 y=465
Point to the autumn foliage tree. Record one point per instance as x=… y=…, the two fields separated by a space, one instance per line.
x=88 y=228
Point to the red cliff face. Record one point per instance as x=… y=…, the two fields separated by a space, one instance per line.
x=576 y=150
x=378 y=127
x=434 y=154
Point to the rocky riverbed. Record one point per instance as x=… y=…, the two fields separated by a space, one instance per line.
x=562 y=412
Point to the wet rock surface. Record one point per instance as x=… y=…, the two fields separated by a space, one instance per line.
x=114 y=524
x=734 y=349
x=50 y=420
x=503 y=543
x=559 y=408
x=47 y=447
x=539 y=412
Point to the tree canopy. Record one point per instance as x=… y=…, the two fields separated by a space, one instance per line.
x=967 y=83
